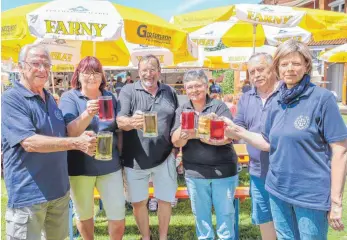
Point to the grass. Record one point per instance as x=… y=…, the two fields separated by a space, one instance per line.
x=182 y=221
x=344 y=118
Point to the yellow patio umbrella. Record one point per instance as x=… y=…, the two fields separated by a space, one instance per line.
x=337 y=54
x=101 y=26
x=244 y=25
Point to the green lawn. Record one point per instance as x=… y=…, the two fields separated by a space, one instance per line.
x=344 y=118
x=181 y=225
x=182 y=222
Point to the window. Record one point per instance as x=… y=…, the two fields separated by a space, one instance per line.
x=337 y=6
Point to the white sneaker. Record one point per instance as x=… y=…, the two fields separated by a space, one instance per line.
x=174 y=203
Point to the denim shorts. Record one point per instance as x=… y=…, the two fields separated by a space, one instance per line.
x=261 y=211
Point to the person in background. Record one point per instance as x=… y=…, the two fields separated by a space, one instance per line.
x=80 y=107
x=307 y=142
x=246 y=86
x=228 y=99
x=210 y=167
x=128 y=78
x=145 y=157
x=34 y=145
x=119 y=84
x=236 y=99
x=215 y=88
x=252 y=110
x=179 y=85
x=215 y=96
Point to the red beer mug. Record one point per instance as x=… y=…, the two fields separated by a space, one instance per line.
x=106 y=108
x=188 y=120
x=217 y=129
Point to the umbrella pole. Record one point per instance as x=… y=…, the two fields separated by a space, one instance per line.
x=94 y=49
x=254 y=35
x=52 y=80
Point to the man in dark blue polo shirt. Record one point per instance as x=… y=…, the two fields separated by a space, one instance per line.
x=145 y=157
x=251 y=114
x=34 y=150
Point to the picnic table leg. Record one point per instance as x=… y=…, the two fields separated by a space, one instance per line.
x=101 y=207
x=237 y=210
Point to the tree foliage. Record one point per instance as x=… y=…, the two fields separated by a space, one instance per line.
x=228 y=80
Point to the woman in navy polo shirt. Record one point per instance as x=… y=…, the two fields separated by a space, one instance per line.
x=306 y=137
x=210 y=168
x=80 y=108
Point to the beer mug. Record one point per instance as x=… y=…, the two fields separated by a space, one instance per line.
x=104 y=142
x=150 y=124
x=217 y=129
x=105 y=108
x=204 y=126
x=188 y=120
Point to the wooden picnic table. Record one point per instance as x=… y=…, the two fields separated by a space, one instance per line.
x=242 y=153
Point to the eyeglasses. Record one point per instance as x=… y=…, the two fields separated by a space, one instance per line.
x=152 y=70
x=38 y=65
x=94 y=74
x=196 y=86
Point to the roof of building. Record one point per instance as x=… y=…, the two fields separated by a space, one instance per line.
x=328 y=42
x=297 y=3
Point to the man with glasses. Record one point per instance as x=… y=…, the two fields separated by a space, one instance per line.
x=34 y=145
x=145 y=157
x=252 y=111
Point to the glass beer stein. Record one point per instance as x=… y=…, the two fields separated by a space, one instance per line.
x=150 y=124
x=104 y=144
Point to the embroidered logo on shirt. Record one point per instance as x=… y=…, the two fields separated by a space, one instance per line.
x=302 y=122
x=58 y=115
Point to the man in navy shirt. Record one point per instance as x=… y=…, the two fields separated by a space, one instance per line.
x=251 y=114
x=34 y=149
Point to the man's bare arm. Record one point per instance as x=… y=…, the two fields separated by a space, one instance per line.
x=45 y=144
x=124 y=123
x=129 y=123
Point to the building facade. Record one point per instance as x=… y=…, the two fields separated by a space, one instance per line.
x=332 y=5
x=333 y=76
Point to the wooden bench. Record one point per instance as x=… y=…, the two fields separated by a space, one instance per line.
x=242 y=153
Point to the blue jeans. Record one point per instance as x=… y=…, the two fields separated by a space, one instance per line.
x=219 y=193
x=293 y=222
x=261 y=210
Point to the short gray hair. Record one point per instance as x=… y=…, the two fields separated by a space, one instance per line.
x=194 y=75
x=148 y=58
x=292 y=46
x=24 y=52
x=255 y=57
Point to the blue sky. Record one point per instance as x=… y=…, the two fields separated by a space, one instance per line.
x=163 y=8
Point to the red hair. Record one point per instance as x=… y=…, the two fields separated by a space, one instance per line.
x=88 y=64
